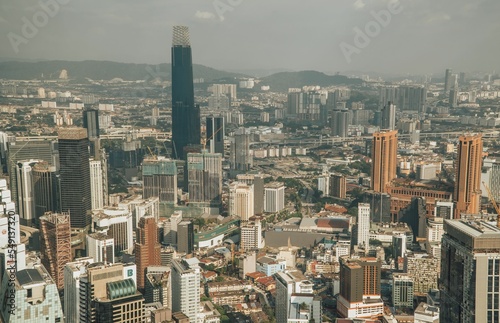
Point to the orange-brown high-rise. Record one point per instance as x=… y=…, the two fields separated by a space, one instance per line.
x=467 y=195
x=147 y=248
x=384 y=159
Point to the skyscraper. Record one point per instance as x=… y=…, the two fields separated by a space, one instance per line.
x=186 y=276
x=241 y=201
x=75 y=175
x=185 y=114
x=364 y=225
x=467 y=195
x=55 y=236
x=46 y=188
x=448 y=81
x=25 y=196
x=96 y=186
x=470 y=272
x=339 y=123
x=215 y=134
x=274 y=197
x=241 y=159
x=205 y=178
x=185 y=237
x=147 y=248
x=160 y=179
x=388 y=121
x=384 y=158
x=91 y=123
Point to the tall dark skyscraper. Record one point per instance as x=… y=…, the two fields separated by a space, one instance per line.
x=185 y=114
x=91 y=123
x=215 y=134
x=75 y=175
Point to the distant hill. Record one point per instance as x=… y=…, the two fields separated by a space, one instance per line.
x=101 y=70
x=284 y=80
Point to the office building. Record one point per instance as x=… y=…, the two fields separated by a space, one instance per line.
x=423 y=268
x=241 y=201
x=205 y=178
x=339 y=123
x=55 y=249
x=338 y=186
x=117 y=224
x=46 y=189
x=100 y=247
x=360 y=288
x=186 y=277
x=170 y=227
x=224 y=89
x=159 y=287
x=96 y=185
x=185 y=114
x=72 y=272
x=251 y=236
x=91 y=123
x=147 y=248
x=295 y=299
x=138 y=207
x=34 y=295
x=160 y=179
x=185 y=237
x=402 y=291
x=274 y=197
x=215 y=134
x=75 y=175
x=364 y=225
x=448 y=81
x=388 y=114
x=470 y=272
x=258 y=189
x=25 y=196
x=241 y=157
x=324 y=185
x=384 y=159
x=467 y=195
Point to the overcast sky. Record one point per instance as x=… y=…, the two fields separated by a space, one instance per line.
x=426 y=36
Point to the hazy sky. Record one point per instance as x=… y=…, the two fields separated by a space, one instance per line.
x=426 y=36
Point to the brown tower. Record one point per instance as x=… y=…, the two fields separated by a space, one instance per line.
x=467 y=195
x=147 y=248
x=384 y=153
x=55 y=243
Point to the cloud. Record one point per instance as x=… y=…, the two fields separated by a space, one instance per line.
x=437 y=18
x=204 y=15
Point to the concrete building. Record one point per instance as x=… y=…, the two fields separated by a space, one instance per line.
x=469 y=272
x=186 y=286
x=122 y=303
x=364 y=225
x=116 y=223
x=46 y=189
x=384 y=153
x=159 y=286
x=96 y=185
x=360 y=288
x=295 y=300
x=257 y=180
x=467 y=195
x=424 y=270
x=147 y=248
x=402 y=291
x=274 y=197
x=251 y=236
x=160 y=179
x=388 y=115
x=205 y=178
x=185 y=237
x=72 y=272
x=25 y=190
x=241 y=201
x=241 y=157
x=270 y=266
x=338 y=186
x=215 y=134
x=100 y=247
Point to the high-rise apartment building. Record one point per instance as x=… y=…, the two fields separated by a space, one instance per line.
x=55 y=244
x=251 y=236
x=215 y=134
x=274 y=197
x=448 y=81
x=470 y=272
x=360 y=288
x=75 y=175
x=186 y=276
x=96 y=185
x=185 y=114
x=364 y=225
x=241 y=158
x=388 y=114
x=160 y=179
x=241 y=201
x=339 y=123
x=25 y=194
x=117 y=223
x=100 y=247
x=384 y=159
x=402 y=291
x=205 y=178
x=467 y=195
x=147 y=248
x=338 y=186
x=258 y=189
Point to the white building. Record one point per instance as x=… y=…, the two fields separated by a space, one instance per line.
x=72 y=273
x=324 y=185
x=186 y=287
x=96 y=185
x=402 y=291
x=140 y=207
x=241 y=200
x=24 y=189
x=100 y=247
x=170 y=228
x=274 y=197
x=251 y=236
x=117 y=224
x=364 y=224
x=435 y=229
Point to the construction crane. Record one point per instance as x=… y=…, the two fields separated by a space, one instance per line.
x=492 y=199
x=210 y=138
x=152 y=154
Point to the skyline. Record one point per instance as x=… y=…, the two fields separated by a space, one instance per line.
x=141 y=34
